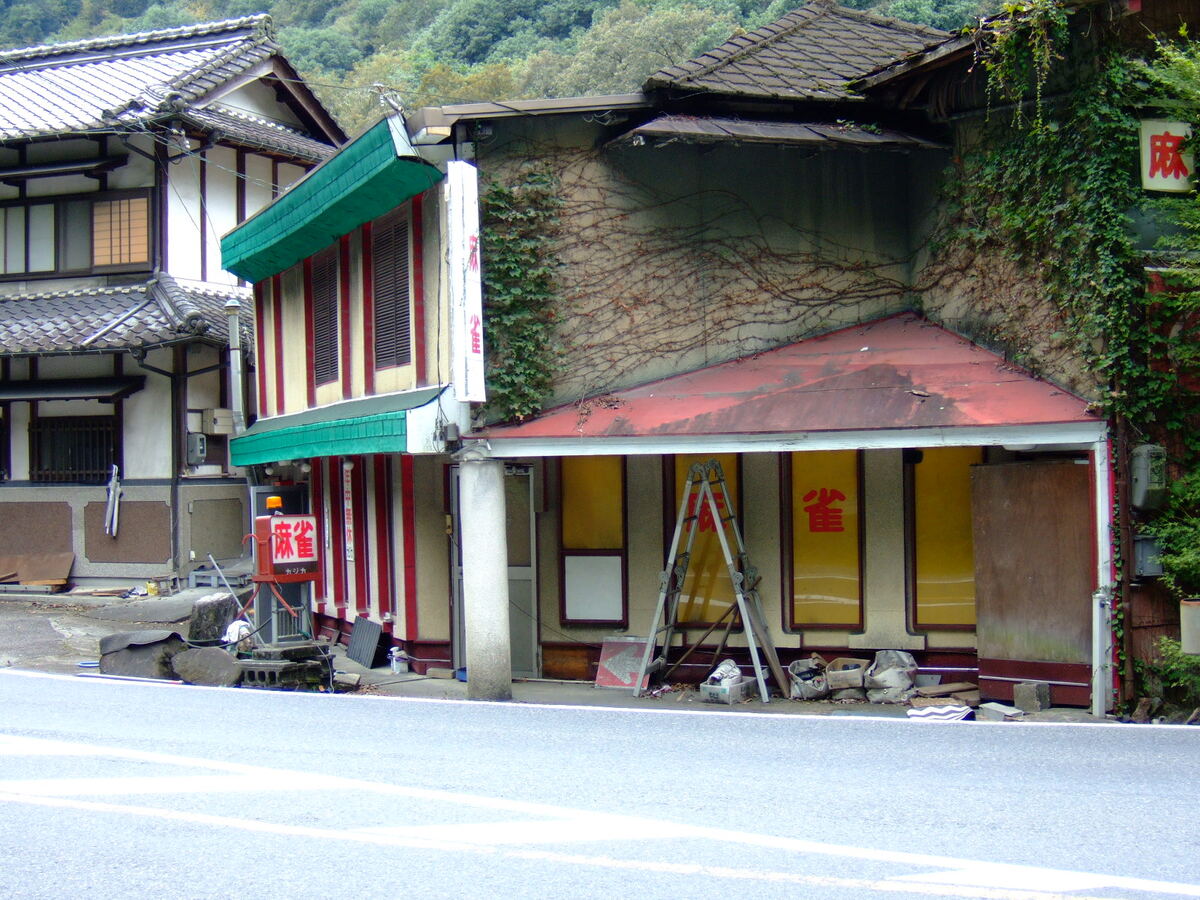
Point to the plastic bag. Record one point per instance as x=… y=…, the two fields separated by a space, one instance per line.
x=726 y=673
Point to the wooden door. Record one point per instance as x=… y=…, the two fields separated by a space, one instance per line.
x=1034 y=529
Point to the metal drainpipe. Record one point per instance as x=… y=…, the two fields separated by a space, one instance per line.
x=236 y=389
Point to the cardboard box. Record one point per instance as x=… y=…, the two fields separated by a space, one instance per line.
x=846 y=672
x=728 y=693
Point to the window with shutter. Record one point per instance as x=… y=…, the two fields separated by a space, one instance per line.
x=390 y=264
x=325 y=316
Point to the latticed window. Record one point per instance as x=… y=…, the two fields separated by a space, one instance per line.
x=390 y=271
x=121 y=232
x=73 y=449
x=325 y=316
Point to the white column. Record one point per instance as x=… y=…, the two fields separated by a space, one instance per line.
x=485 y=576
x=1102 y=636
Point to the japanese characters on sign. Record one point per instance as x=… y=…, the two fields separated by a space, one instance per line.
x=1167 y=165
x=293 y=545
x=348 y=511
x=826 y=581
x=466 y=288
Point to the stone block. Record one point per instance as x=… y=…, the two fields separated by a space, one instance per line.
x=1031 y=696
x=211 y=616
x=207 y=665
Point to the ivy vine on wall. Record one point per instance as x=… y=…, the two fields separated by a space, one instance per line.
x=520 y=224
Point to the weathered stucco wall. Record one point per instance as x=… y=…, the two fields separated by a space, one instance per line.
x=681 y=256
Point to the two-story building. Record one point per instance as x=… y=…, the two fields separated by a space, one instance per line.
x=739 y=250
x=122 y=161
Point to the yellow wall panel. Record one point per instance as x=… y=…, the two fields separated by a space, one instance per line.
x=826 y=588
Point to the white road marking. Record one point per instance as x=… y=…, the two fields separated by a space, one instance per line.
x=955 y=878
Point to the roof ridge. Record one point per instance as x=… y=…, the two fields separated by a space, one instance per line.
x=802 y=17
x=260 y=22
x=77 y=292
x=186 y=82
x=179 y=307
x=245 y=116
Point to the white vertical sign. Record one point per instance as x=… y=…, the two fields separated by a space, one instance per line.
x=348 y=510
x=1166 y=165
x=466 y=288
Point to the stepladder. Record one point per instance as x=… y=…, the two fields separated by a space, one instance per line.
x=705 y=506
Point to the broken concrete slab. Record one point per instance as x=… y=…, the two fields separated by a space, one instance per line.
x=210 y=666
x=141 y=654
x=999 y=712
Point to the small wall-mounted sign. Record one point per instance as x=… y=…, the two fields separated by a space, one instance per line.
x=1166 y=165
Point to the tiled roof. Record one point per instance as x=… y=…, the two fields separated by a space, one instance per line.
x=809 y=54
x=120 y=82
x=241 y=127
x=147 y=314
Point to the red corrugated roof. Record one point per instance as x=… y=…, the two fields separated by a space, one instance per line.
x=899 y=372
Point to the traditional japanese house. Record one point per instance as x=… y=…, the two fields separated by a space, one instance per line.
x=122 y=161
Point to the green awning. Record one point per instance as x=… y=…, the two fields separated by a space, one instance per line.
x=374 y=173
x=369 y=425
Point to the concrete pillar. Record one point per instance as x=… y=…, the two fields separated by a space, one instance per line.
x=485 y=577
x=885 y=604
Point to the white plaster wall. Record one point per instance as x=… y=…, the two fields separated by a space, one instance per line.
x=183 y=219
x=204 y=391
x=148 y=432
x=290 y=174
x=75 y=366
x=258 y=99
x=137 y=171
x=258 y=182
x=19 y=441
x=220 y=190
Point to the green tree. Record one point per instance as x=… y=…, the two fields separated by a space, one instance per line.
x=326 y=49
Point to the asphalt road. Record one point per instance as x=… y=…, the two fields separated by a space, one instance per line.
x=117 y=789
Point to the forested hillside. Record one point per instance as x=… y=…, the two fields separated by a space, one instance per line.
x=445 y=51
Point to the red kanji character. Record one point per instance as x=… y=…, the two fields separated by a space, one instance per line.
x=473 y=253
x=304 y=539
x=476 y=337
x=282 y=532
x=1165 y=156
x=706 y=521
x=823 y=515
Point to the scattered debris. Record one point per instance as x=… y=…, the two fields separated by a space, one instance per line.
x=1001 y=711
x=945 y=690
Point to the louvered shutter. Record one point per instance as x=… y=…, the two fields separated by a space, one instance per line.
x=325 y=316
x=390 y=270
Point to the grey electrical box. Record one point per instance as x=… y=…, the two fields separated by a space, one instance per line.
x=197 y=449
x=1146 y=553
x=1148 y=476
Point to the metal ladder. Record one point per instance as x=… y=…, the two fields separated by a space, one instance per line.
x=705 y=482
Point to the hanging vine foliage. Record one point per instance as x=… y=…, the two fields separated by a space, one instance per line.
x=520 y=224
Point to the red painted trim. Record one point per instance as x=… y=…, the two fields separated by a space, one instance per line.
x=416 y=222
x=316 y=500
x=362 y=547
x=383 y=533
x=346 y=371
x=277 y=333
x=337 y=514
x=260 y=346
x=203 y=167
x=368 y=310
x=310 y=340
x=408 y=512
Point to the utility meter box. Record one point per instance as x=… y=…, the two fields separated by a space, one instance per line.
x=1148 y=477
x=217 y=421
x=1147 y=562
x=197 y=449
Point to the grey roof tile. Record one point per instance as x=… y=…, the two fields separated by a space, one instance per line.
x=147 y=314
x=811 y=53
x=105 y=83
x=253 y=131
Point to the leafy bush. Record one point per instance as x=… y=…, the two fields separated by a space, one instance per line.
x=1179 y=672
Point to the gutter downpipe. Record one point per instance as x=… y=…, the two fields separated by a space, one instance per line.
x=237 y=403
x=1102 y=640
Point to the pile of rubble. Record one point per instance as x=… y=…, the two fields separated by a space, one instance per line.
x=220 y=650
